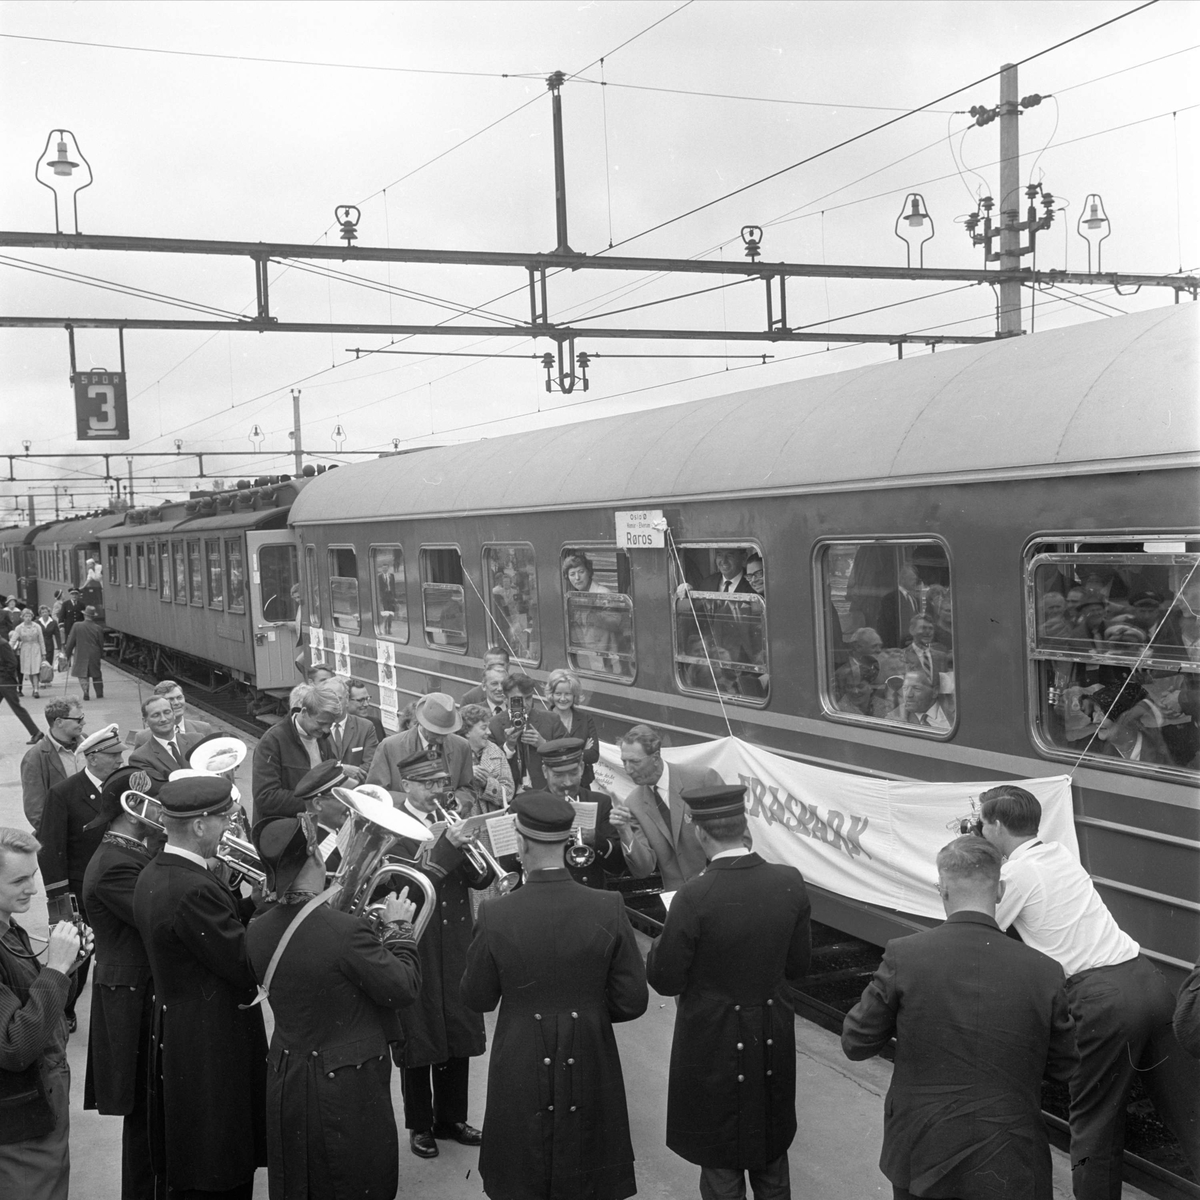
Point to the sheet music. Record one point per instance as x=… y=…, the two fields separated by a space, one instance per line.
x=585 y=815
x=502 y=833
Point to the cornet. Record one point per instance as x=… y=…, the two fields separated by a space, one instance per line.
x=576 y=853
x=478 y=855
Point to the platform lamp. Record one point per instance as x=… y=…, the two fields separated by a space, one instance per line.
x=60 y=166
x=1094 y=227
x=914 y=217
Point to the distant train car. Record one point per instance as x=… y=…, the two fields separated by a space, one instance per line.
x=957 y=555
x=18 y=564
x=63 y=550
x=201 y=590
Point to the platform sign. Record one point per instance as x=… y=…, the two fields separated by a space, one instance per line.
x=641 y=529
x=101 y=406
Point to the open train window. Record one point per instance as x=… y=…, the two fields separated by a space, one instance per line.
x=886 y=627
x=1112 y=633
x=127 y=563
x=113 y=568
x=343 y=588
x=140 y=561
x=235 y=576
x=598 y=610
x=442 y=598
x=390 y=591
x=180 y=564
x=214 y=573
x=314 y=585
x=510 y=584
x=720 y=625
x=195 y=573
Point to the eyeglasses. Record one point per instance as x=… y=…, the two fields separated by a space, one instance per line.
x=80 y=719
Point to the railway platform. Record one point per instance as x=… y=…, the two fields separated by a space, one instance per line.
x=839 y=1103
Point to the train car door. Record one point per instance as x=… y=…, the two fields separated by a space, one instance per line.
x=275 y=571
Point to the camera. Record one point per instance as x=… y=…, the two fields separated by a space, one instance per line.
x=970 y=825
x=66 y=908
x=516 y=713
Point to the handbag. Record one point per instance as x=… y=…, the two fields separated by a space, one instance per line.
x=60 y=661
x=45 y=672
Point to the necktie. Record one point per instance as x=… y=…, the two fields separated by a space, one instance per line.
x=175 y=752
x=663 y=810
x=927 y=663
x=725 y=586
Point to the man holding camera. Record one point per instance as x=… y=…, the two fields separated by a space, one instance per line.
x=35 y=1082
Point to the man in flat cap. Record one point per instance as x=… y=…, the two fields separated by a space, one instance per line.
x=562 y=962
x=562 y=764
x=208 y=1068
x=291 y=748
x=335 y=983
x=434 y=729
x=122 y=988
x=441 y=1034
x=735 y=938
x=67 y=842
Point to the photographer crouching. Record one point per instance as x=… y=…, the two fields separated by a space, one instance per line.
x=35 y=1082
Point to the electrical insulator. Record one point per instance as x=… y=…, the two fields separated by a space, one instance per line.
x=1031 y=101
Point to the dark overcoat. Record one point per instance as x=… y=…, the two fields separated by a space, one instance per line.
x=280 y=762
x=734 y=938
x=122 y=989
x=67 y=847
x=562 y=962
x=331 y=1131
x=439 y=1025
x=978 y=1019
x=86 y=643
x=607 y=844
x=208 y=1069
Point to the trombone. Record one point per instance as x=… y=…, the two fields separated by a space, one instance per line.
x=478 y=855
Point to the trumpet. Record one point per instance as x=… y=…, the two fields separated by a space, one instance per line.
x=238 y=854
x=576 y=853
x=479 y=856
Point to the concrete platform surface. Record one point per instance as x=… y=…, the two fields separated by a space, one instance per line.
x=839 y=1103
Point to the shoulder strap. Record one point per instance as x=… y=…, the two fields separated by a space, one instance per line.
x=264 y=989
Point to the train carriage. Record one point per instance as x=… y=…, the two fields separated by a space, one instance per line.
x=18 y=564
x=965 y=556
x=62 y=551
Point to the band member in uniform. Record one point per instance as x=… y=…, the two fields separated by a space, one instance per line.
x=122 y=990
x=562 y=763
x=208 y=1066
x=734 y=939
x=441 y=1034
x=562 y=962
x=334 y=993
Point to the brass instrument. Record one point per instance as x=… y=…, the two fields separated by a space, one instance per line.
x=143 y=807
x=478 y=855
x=239 y=855
x=576 y=853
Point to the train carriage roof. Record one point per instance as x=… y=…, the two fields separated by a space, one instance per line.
x=77 y=532
x=1113 y=395
x=19 y=534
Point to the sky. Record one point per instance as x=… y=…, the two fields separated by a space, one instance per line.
x=252 y=121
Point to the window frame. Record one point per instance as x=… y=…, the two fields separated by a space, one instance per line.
x=166 y=578
x=1031 y=559
x=493 y=625
x=152 y=565
x=237 y=543
x=206 y=565
x=829 y=709
x=112 y=573
x=139 y=563
x=674 y=581
x=195 y=582
x=606 y=547
x=178 y=575
x=127 y=563
x=330 y=551
x=311 y=590
x=421 y=561
x=375 y=611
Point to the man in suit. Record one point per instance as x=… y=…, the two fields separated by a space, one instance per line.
x=562 y=763
x=924 y=655
x=207 y=1090
x=85 y=648
x=522 y=736
x=52 y=759
x=291 y=748
x=494 y=658
x=730 y=575
x=562 y=963
x=352 y=738
x=358 y=704
x=122 y=992
x=67 y=842
x=185 y=726
x=978 y=1020
x=165 y=749
x=736 y=940
x=654 y=835
x=899 y=606
x=435 y=726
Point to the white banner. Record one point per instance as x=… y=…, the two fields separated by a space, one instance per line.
x=869 y=839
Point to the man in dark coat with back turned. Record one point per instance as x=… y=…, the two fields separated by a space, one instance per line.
x=735 y=937
x=122 y=990
x=562 y=962
x=978 y=1019
x=334 y=993
x=208 y=1064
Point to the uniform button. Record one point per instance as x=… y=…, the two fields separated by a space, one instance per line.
x=314 y=1054
x=546 y=1061
x=770 y=1072
x=537 y=1016
x=770 y=1002
x=574 y=1016
x=737 y=1008
x=330 y=1074
x=741 y=1078
x=549 y=1107
x=572 y=1107
x=740 y=1046
x=570 y=1062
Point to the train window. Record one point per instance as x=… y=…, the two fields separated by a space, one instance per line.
x=140 y=561
x=195 y=573
x=151 y=566
x=235 y=576
x=164 y=574
x=720 y=625
x=598 y=608
x=179 y=590
x=887 y=627
x=1113 y=638
x=510 y=582
x=113 y=569
x=343 y=588
x=442 y=598
x=391 y=596
x=215 y=572
x=127 y=555
x=279 y=577
x=314 y=588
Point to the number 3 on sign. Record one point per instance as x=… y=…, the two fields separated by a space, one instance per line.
x=106 y=395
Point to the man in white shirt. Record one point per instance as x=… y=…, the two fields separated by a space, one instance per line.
x=165 y=750
x=1121 y=1004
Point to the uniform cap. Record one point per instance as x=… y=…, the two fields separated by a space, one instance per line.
x=423 y=767
x=708 y=803
x=438 y=713
x=283 y=845
x=103 y=741
x=542 y=817
x=322 y=778
x=562 y=752
x=198 y=796
x=123 y=779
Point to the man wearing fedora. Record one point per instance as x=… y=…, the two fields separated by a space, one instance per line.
x=563 y=964
x=434 y=731
x=735 y=938
x=441 y=1034
x=207 y=1091
x=335 y=987
x=67 y=836
x=291 y=748
x=122 y=988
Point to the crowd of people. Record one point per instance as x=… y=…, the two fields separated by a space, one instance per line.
x=185 y=952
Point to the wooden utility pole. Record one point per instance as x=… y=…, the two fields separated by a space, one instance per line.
x=1010 y=201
